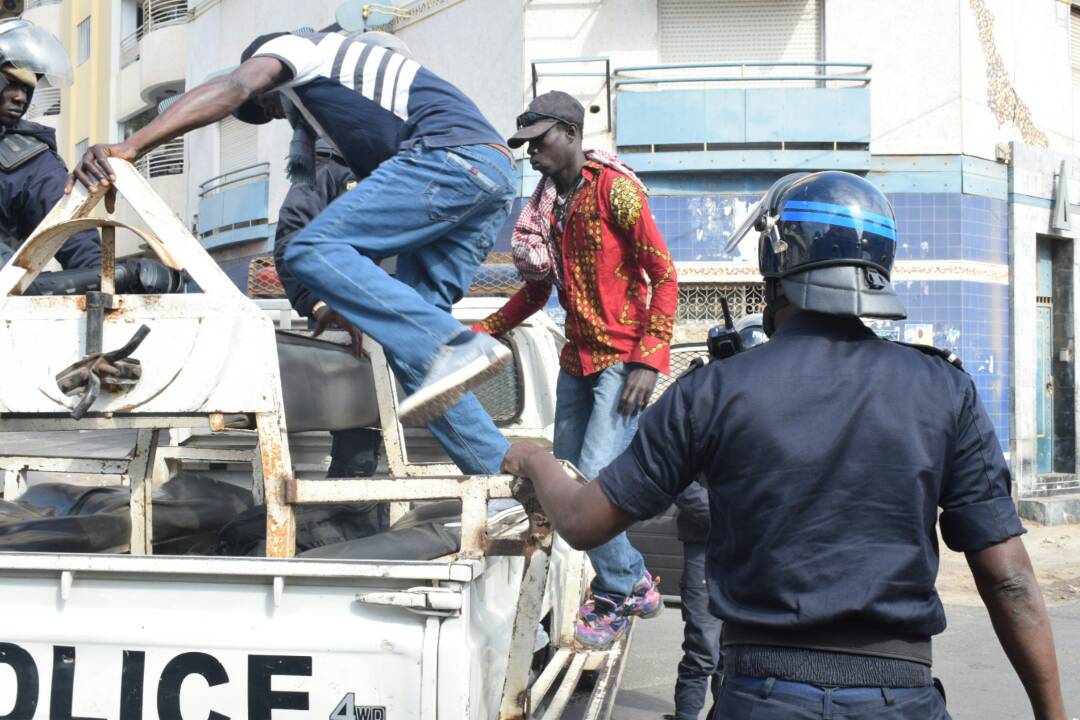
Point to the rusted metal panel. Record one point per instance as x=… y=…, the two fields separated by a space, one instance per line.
x=387 y=489
x=516 y=699
x=277 y=474
x=142 y=489
x=108 y=260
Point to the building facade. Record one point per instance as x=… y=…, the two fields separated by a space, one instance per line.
x=971 y=129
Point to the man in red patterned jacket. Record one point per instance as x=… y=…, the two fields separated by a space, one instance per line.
x=587 y=231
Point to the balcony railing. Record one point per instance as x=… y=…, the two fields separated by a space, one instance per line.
x=580 y=67
x=129 y=48
x=852 y=74
x=46 y=102
x=234 y=206
x=799 y=106
x=156 y=14
x=165 y=160
x=163 y=13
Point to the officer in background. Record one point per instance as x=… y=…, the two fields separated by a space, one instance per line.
x=701 y=658
x=354 y=452
x=827 y=453
x=32 y=175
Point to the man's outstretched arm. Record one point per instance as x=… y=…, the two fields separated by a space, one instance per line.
x=642 y=482
x=199 y=107
x=1012 y=596
x=581 y=514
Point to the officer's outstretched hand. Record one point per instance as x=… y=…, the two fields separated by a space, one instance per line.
x=637 y=390
x=94 y=172
x=516 y=460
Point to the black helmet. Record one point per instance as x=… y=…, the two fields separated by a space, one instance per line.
x=830 y=240
x=751 y=329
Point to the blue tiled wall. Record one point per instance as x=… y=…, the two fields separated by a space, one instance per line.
x=951 y=226
x=970 y=318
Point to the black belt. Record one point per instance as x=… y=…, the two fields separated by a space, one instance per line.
x=839 y=657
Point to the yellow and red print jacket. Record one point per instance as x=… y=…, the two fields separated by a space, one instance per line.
x=610 y=245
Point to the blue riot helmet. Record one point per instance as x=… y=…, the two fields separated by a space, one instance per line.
x=828 y=239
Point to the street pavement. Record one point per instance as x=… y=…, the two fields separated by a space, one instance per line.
x=978 y=680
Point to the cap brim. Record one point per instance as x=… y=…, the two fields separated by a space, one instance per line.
x=841 y=290
x=252 y=113
x=530 y=132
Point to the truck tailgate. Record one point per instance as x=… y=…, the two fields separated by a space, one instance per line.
x=141 y=637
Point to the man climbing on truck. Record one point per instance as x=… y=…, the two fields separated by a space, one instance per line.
x=439 y=175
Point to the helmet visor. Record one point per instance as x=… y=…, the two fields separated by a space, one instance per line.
x=818 y=233
x=25 y=46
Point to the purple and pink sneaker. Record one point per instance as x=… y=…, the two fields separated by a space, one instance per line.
x=644 y=600
x=601 y=622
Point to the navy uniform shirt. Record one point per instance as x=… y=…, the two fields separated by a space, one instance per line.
x=369 y=102
x=28 y=192
x=827 y=452
x=302 y=204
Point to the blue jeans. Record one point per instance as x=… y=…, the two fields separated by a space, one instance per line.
x=772 y=699
x=439 y=211
x=701 y=636
x=590 y=432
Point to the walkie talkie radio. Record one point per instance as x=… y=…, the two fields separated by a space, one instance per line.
x=724 y=341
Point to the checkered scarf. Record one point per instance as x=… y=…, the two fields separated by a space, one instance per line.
x=533 y=243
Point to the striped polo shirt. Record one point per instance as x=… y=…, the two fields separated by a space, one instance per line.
x=369 y=102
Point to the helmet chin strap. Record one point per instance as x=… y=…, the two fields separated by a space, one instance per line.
x=775 y=301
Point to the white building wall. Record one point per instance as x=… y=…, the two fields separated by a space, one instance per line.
x=477 y=46
x=915 y=98
x=624 y=30
x=1016 y=75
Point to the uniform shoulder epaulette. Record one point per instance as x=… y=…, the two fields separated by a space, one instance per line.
x=696 y=364
x=16 y=150
x=947 y=355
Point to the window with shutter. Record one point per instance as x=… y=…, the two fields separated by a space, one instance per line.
x=238 y=143
x=82 y=41
x=732 y=30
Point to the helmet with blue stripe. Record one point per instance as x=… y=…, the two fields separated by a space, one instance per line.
x=829 y=238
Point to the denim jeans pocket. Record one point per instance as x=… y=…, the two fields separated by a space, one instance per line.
x=457 y=189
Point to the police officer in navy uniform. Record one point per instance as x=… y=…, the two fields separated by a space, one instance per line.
x=32 y=175
x=827 y=453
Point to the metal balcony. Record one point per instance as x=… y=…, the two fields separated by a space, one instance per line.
x=167 y=159
x=746 y=115
x=156 y=14
x=234 y=207
x=163 y=13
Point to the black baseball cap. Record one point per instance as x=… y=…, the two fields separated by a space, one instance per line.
x=543 y=112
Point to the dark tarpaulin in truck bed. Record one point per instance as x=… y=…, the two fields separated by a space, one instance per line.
x=60 y=517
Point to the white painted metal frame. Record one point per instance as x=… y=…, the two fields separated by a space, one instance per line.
x=207 y=355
